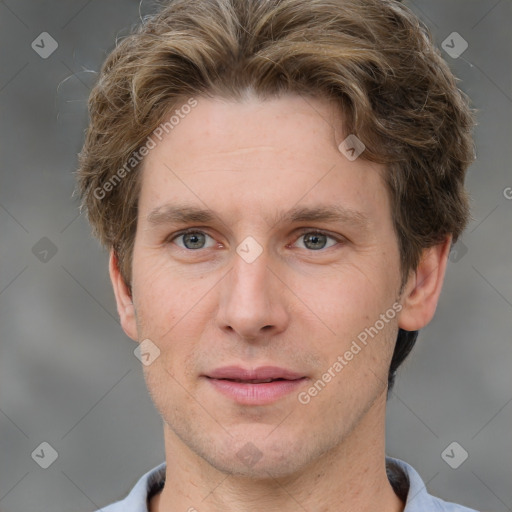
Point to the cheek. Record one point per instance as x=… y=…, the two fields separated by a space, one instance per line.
x=353 y=340
x=170 y=309
x=163 y=295
x=345 y=300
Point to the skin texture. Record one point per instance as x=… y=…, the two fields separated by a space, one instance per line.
x=295 y=306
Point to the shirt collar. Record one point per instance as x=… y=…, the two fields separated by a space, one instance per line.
x=404 y=479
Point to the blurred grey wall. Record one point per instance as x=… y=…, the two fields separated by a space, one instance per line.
x=68 y=375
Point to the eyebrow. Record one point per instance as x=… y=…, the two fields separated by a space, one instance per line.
x=183 y=213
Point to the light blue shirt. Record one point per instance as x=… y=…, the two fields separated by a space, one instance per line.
x=417 y=498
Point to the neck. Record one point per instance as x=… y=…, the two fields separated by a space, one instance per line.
x=351 y=476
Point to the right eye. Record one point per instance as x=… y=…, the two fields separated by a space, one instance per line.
x=192 y=239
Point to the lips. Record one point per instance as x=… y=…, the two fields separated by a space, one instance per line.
x=256 y=376
x=261 y=386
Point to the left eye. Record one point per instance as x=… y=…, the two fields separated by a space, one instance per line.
x=316 y=240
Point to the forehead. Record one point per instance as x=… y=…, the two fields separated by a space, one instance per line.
x=258 y=156
x=218 y=126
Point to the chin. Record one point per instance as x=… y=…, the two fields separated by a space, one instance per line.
x=261 y=457
x=268 y=467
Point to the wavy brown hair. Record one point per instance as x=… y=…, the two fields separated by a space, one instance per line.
x=373 y=57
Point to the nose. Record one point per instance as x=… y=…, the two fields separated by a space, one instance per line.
x=253 y=300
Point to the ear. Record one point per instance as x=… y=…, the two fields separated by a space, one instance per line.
x=124 y=301
x=422 y=290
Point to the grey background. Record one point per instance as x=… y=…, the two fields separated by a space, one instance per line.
x=68 y=375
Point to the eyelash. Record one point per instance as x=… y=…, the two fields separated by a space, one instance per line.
x=302 y=232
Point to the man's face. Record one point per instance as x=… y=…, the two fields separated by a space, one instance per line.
x=252 y=289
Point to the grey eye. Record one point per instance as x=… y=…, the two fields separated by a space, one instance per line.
x=316 y=241
x=192 y=240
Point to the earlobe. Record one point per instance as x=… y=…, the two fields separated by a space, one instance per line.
x=123 y=296
x=422 y=290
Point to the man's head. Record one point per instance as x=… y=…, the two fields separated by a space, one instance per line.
x=242 y=109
